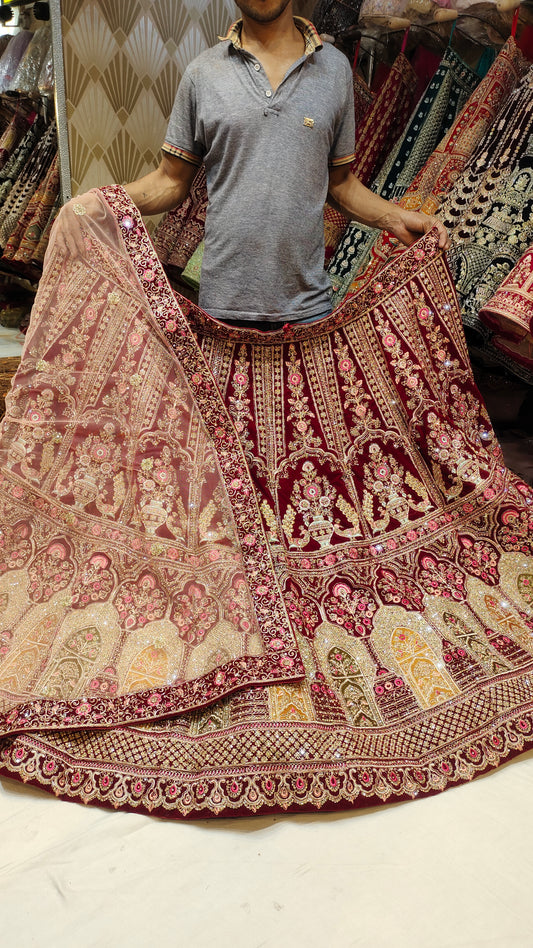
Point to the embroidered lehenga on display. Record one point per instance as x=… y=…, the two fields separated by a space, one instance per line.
x=444 y=97
x=435 y=180
x=248 y=571
x=509 y=313
x=375 y=135
x=489 y=213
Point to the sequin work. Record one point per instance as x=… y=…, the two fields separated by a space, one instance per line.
x=363 y=502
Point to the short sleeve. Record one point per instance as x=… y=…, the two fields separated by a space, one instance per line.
x=342 y=152
x=181 y=137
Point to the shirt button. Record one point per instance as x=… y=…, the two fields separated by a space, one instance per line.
x=257 y=67
x=268 y=93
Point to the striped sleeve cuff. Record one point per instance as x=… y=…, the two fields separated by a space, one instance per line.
x=182 y=153
x=344 y=160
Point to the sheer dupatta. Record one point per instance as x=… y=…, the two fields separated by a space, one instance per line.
x=135 y=578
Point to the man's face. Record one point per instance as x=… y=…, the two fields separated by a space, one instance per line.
x=262 y=11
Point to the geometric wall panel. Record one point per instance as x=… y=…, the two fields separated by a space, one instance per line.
x=145 y=49
x=124 y=159
x=92 y=41
x=147 y=124
x=216 y=19
x=121 y=15
x=121 y=78
x=95 y=119
x=192 y=44
x=171 y=19
x=77 y=73
x=165 y=86
x=122 y=85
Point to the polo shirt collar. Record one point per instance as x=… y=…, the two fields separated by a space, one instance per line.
x=308 y=31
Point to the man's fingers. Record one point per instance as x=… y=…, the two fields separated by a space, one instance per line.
x=444 y=240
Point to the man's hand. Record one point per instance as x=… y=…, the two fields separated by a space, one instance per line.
x=408 y=226
x=67 y=235
x=354 y=200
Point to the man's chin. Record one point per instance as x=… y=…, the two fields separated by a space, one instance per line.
x=263 y=11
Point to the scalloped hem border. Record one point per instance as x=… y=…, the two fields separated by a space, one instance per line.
x=259 y=791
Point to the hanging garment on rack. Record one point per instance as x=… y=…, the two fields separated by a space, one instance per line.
x=335 y=16
x=375 y=136
x=436 y=178
x=489 y=212
x=440 y=171
x=385 y=122
x=509 y=313
x=248 y=571
x=382 y=9
x=444 y=98
x=46 y=80
x=425 y=63
x=26 y=78
x=11 y=57
x=27 y=183
x=39 y=252
x=363 y=98
x=5 y=39
x=23 y=117
x=22 y=243
x=16 y=164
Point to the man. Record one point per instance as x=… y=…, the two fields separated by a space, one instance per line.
x=269 y=110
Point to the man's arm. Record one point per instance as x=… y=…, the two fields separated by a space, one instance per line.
x=354 y=200
x=165 y=188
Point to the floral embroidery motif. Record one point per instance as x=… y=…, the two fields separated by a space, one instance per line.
x=299 y=616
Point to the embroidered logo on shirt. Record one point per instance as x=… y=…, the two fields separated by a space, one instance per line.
x=309 y=123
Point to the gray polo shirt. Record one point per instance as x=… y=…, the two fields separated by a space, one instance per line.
x=267 y=156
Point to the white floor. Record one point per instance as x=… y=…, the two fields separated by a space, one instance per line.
x=11 y=342
x=451 y=871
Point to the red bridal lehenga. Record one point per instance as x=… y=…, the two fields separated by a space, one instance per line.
x=247 y=571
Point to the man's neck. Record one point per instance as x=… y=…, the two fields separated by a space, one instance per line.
x=280 y=34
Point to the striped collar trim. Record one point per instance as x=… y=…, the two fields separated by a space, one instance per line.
x=308 y=31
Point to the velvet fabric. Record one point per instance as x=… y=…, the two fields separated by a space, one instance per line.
x=509 y=313
x=436 y=179
x=247 y=571
x=489 y=212
x=444 y=97
x=375 y=136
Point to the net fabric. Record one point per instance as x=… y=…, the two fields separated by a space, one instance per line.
x=401 y=545
x=127 y=511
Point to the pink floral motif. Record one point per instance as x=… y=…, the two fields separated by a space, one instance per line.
x=194 y=612
x=353 y=608
x=50 y=571
x=302 y=611
x=140 y=602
